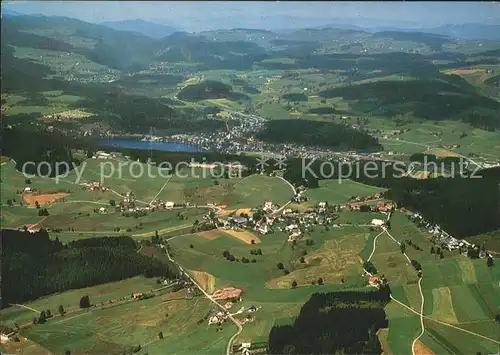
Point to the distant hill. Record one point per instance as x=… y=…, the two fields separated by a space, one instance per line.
x=150 y=29
x=115 y=49
x=468 y=31
x=432 y=40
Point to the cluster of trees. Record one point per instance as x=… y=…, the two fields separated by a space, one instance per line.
x=368 y=266
x=316 y=133
x=334 y=322
x=80 y=263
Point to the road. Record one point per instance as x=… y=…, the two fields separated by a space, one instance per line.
x=421 y=313
x=221 y=307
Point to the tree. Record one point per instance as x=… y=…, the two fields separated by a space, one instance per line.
x=42 y=318
x=67 y=352
x=160 y=335
x=294 y=284
x=402 y=247
x=48 y=313
x=35 y=320
x=112 y=203
x=302 y=260
x=37 y=205
x=61 y=309
x=225 y=254
x=191 y=246
x=497 y=317
x=85 y=302
x=432 y=249
x=320 y=281
x=281 y=266
x=441 y=255
x=490 y=262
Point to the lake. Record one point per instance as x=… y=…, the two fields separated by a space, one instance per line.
x=163 y=146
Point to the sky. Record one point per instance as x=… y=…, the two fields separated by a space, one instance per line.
x=194 y=15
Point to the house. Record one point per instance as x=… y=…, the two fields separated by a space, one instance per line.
x=263 y=229
x=374 y=281
x=291 y=227
x=213 y=320
x=268 y=205
x=28 y=189
x=287 y=211
x=228 y=305
x=245 y=348
x=239 y=220
x=103 y=210
x=252 y=308
x=322 y=204
x=377 y=222
x=136 y=295
x=169 y=204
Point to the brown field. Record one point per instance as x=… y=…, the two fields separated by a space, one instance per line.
x=210 y=235
x=421 y=175
x=383 y=335
x=421 y=349
x=43 y=199
x=464 y=71
x=4 y=160
x=441 y=153
x=244 y=236
x=237 y=212
x=206 y=280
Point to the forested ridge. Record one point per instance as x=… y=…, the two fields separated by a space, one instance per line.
x=335 y=322
x=33 y=265
x=314 y=133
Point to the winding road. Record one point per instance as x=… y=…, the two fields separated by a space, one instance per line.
x=421 y=313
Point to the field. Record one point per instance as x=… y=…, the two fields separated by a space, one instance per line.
x=74 y=209
x=333 y=257
x=121 y=327
x=458 y=291
x=337 y=192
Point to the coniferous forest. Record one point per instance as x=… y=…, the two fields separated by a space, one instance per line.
x=335 y=322
x=33 y=265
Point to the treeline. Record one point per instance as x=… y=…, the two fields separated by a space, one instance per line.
x=33 y=265
x=336 y=322
x=319 y=134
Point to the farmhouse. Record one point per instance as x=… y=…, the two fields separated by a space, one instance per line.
x=239 y=220
x=377 y=222
x=374 y=282
x=28 y=189
x=169 y=204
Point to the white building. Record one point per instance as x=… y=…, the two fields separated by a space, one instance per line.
x=377 y=222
